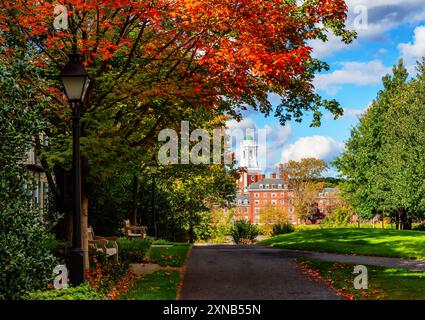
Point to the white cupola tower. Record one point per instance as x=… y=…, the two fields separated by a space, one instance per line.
x=249 y=156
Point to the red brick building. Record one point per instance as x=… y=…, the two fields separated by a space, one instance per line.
x=277 y=192
x=257 y=192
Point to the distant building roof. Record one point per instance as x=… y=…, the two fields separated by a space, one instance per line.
x=242 y=199
x=269 y=182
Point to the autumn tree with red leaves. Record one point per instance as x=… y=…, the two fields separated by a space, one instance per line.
x=152 y=62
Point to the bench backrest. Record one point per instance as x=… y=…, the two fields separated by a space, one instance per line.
x=90 y=233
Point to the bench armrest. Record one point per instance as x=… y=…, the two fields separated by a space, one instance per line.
x=136 y=228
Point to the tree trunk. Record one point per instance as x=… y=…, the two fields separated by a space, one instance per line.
x=406 y=224
x=135 y=199
x=382 y=219
x=397 y=220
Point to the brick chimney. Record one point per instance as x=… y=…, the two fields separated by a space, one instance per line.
x=273 y=175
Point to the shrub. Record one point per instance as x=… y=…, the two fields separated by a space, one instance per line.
x=282 y=228
x=133 y=250
x=204 y=230
x=109 y=279
x=60 y=249
x=270 y=216
x=26 y=263
x=82 y=292
x=244 y=232
x=340 y=217
x=420 y=227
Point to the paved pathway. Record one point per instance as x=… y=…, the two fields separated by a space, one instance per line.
x=415 y=265
x=248 y=272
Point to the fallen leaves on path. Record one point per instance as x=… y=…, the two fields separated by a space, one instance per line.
x=314 y=274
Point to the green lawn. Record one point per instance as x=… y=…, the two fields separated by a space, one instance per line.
x=384 y=283
x=161 y=285
x=371 y=242
x=174 y=256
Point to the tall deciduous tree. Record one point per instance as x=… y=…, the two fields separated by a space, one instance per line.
x=151 y=61
x=384 y=162
x=304 y=177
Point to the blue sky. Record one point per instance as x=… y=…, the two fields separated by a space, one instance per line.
x=387 y=30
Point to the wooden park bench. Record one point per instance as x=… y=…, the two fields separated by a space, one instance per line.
x=134 y=231
x=106 y=245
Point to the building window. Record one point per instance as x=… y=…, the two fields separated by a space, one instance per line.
x=282 y=194
x=36 y=193
x=246 y=202
x=257 y=219
x=265 y=202
x=256 y=210
x=267 y=186
x=274 y=195
x=282 y=201
x=46 y=194
x=256 y=195
x=252 y=178
x=279 y=186
x=265 y=195
x=291 y=209
x=245 y=210
x=274 y=202
x=257 y=202
x=261 y=186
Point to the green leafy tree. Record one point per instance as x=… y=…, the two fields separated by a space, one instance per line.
x=383 y=163
x=305 y=178
x=25 y=261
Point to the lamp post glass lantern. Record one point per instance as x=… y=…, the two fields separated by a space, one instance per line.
x=74 y=77
x=75 y=81
x=153 y=167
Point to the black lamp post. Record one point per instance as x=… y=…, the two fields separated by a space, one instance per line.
x=153 y=167
x=75 y=81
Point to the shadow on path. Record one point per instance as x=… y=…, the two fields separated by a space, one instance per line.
x=247 y=273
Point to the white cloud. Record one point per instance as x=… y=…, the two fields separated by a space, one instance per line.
x=353 y=113
x=382 y=16
x=320 y=147
x=245 y=124
x=326 y=49
x=416 y=49
x=351 y=73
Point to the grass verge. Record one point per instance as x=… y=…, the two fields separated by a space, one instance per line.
x=369 y=242
x=384 y=283
x=161 y=285
x=173 y=256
